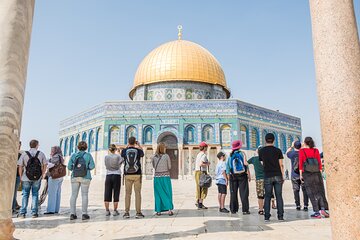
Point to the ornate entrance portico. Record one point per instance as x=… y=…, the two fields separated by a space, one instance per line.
x=172 y=150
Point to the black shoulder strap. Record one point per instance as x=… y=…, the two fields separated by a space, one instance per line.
x=305 y=155
x=37 y=154
x=28 y=153
x=158 y=162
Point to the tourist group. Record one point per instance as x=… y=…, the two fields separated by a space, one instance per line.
x=232 y=171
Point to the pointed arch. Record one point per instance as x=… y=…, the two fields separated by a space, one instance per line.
x=77 y=142
x=66 y=147
x=244 y=136
x=148 y=135
x=225 y=135
x=71 y=146
x=97 y=139
x=189 y=134
x=264 y=132
x=84 y=137
x=61 y=144
x=91 y=141
x=114 y=136
x=130 y=132
x=255 y=140
x=208 y=133
x=289 y=140
x=283 y=146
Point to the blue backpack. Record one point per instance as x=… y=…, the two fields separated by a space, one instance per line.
x=237 y=163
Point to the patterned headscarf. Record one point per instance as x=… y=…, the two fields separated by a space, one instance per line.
x=56 y=150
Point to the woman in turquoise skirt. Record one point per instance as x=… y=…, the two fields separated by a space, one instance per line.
x=162 y=182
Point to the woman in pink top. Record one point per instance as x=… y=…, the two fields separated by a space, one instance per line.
x=310 y=172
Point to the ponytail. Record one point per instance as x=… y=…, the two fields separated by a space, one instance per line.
x=310 y=142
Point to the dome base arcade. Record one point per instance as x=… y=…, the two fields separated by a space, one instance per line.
x=179 y=90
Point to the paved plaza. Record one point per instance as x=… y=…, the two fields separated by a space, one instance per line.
x=187 y=222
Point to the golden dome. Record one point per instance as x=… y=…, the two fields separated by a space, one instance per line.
x=179 y=60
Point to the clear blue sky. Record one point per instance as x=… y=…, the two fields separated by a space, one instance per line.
x=86 y=52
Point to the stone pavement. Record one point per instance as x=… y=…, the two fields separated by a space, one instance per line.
x=187 y=222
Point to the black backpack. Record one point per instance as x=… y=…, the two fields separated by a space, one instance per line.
x=311 y=164
x=33 y=167
x=131 y=165
x=79 y=167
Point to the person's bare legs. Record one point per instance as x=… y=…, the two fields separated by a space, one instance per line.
x=116 y=204
x=106 y=206
x=261 y=204
x=219 y=200
x=222 y=201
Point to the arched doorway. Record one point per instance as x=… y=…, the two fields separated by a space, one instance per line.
x=172 y=150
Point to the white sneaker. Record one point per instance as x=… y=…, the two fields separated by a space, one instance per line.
x=107 y=213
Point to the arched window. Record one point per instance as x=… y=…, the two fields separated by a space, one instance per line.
x=77 y=142
x=190 y=134
x=208 y=134
x=91 y=143
x=61 y=144
x=71 y=147
x=255 y=141
x=66 y=147
x=243 y=136
x=264 y=132
x=283 y=143
x=276 y=143
x=84 y=137
x=225 y=135
x=114 y=135
x=97 y=140
x=148 y=135
x=289 y=141
x=130 y=132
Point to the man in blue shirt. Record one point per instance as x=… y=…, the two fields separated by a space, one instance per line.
x=293 y=154
x=221 y=181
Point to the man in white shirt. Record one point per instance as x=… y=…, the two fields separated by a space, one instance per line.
x=201 y=165
x=32 y=164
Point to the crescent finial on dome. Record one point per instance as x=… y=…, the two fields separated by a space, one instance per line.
x=179 y=32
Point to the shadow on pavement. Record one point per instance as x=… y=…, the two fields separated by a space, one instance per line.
x=238 y=222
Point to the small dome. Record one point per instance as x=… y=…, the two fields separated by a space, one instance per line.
x=179 y=60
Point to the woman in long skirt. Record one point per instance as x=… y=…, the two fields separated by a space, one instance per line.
x=54 y=185
x=313 y=182
x=162 y=182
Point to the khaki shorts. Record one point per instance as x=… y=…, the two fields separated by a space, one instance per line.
x=260 y=189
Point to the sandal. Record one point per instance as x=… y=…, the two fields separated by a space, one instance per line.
x=171 y=213
x=261 y=212
x=158 y=214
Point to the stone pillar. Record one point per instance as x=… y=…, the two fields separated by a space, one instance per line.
x=15 y=31
x=15 y=24
x=190 y=161
x=337 y=61
x=181 y=161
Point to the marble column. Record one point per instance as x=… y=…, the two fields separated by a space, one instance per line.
x=190 y=161
x=181 y=161
x=15 y=31
x=337 y=62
